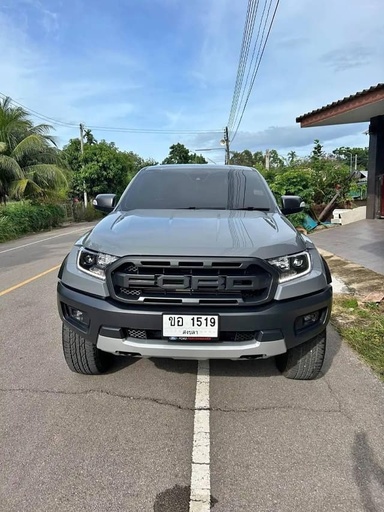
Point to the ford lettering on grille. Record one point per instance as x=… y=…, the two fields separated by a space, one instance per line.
x=194 y=283
x=188 y=281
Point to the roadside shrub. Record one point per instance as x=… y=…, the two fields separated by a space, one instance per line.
x=22 y=218
x=296 y=182
x=7 y=229
x=269 y=175
x=297 y=219
x=326 y=181
x=81 y=214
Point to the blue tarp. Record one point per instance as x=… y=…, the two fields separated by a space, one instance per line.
x=309 y=224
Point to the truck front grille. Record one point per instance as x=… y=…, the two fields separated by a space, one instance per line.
x=219 y=281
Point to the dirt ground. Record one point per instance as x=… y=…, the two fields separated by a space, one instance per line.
x=359 y=280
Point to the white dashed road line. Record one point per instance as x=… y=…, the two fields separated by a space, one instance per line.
x=200 y=499
x=43 y=240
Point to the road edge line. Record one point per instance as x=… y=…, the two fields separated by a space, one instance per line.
x=27 y=281
x=42 y=240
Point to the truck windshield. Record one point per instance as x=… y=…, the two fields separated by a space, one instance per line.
x=198 y=188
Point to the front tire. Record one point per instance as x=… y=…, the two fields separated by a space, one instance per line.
x=82 y=356
x=305 y=361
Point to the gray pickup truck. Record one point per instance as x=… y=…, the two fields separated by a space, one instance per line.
x=195 y=262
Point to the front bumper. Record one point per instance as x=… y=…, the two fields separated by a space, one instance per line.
x=188 y=350
x=273 y=325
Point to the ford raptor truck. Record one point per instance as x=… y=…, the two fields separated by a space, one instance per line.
x=195 y=262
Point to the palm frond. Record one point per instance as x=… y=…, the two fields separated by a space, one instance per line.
x=9 y=168
x=25 y=188
x=5 y=103
x=29 y=146
x=15 y=124
x=44 y=130
x=50 y=155
x=13 y=114
x=47 y=176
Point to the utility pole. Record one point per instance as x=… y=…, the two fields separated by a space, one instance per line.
x=355 y=162
x=82 y=165
x=267 y=159
x=226 y=140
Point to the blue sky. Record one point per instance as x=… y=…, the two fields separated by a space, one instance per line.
x=171 y=64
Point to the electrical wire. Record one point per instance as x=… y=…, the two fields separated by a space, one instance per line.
x=37 y=114
x=257 y=66
x=109 y=128
x=253 y=55
x=151 y=130
x=243 y=58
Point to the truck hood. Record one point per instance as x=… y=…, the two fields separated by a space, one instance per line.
x=195 y=233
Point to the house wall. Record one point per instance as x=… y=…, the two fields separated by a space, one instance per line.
x=375 y=166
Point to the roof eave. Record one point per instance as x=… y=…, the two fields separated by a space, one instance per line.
x=351 y=103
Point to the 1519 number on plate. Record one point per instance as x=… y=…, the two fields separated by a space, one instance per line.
x=190 y=326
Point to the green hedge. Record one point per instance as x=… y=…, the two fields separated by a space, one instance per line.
x=19 y=219
x=81 y=214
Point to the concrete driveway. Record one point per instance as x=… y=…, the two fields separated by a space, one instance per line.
x=361 y=242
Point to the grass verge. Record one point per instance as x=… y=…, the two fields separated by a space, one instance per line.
x=361 y=325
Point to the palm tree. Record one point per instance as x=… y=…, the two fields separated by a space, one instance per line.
x=29 y=159
x=292 y=157
x=89 y=138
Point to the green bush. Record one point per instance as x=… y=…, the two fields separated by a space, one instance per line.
x=269 y=174
x=327 y=179
x=297 y=219
x=22 y=218
x=294 y=182
x=7 y=229
x=81 y=214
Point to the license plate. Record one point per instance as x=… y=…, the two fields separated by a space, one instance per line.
x=190 y=326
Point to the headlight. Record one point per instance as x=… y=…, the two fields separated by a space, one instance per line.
x=290 y=267
x=94 y=263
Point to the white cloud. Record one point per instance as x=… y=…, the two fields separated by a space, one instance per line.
x=125 y=83
x=352 y=56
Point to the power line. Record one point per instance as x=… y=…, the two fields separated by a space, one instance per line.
x=253 y=55
x=37 y=114
x=243 y=58
x=110 y=128
x=151 y=130
x=257 y=66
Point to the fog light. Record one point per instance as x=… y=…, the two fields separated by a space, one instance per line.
x=79 y=316
x=311 y=318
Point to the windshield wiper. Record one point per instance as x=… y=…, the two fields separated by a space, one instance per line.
x=252 y=208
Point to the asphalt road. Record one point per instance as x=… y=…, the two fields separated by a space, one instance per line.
x=123 y=441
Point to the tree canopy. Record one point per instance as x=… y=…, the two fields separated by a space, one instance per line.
x=179 y=154
x=347 y=155
x=103 y=168
x=30 y=164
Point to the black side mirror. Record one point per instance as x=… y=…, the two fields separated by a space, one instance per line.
x=105 y=202
x=292 y=204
